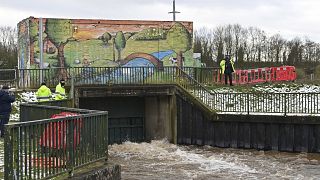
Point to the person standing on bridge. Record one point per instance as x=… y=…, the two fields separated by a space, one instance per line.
x=227 y=68
x=6 y=99
x=60 y=91
x=43 y=93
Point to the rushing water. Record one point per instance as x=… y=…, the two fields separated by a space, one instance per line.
x=162 y=160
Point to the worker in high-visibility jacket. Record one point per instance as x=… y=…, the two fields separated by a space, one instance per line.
x=44 y=93
x=60 y=91
x=227 y=68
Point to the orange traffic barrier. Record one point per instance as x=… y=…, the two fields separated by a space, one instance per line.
x=55 y=134
x=260 y=75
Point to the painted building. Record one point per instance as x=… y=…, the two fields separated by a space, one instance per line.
x=104 y=43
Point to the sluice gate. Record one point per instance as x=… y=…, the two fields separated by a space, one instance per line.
x=143 y=113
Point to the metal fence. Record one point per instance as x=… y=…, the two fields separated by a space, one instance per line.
x=271 y=103
x=32 y=78
x=8 y=77
x=37 y=111
x=192 y=79
x=49 y=147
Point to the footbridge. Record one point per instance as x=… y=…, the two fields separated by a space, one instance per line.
x=146 y=103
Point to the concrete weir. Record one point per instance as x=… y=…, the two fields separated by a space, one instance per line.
x=168 y=111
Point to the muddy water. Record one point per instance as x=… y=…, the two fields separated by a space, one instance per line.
x=162 y=160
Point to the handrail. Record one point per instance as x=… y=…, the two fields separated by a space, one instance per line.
x=194 y=79
x=195 y=88
x=44 y=148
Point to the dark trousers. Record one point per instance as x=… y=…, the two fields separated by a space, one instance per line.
x=226 y=76
x=4 y=119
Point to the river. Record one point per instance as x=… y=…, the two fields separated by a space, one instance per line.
x=162 y=160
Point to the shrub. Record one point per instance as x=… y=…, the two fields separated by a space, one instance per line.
x=317 y=72
x=300 y=73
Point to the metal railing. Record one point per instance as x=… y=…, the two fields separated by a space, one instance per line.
x=8 y=77
x=204 y=75
x=32 y=78
x=46 y=148
x=36 y=111
x=195 y=88
x=271 y=103
x=190 y=78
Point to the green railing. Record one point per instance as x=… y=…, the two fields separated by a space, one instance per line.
x=8 y=77
x=32 y=78
x=191 y=79
x=46 y=148
x=36 y=111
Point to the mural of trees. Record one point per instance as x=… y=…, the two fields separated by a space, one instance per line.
x=179 y=38
x=34 y=35
x=106 y=37
x=120 y=43
x=58 y=32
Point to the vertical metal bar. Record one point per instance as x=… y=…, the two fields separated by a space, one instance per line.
x=8 y=153
x=34 y=145
x=20 y=150
x=30 y=151
x=317 y=110
x=285 y=104
x=70 y=153
x=248 y=108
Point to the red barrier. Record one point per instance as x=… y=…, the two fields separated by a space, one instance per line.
x=55 y=134
x=261 y=75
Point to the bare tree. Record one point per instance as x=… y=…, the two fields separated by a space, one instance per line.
x=8 y=47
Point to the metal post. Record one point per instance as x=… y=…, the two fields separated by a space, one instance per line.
x=248 y=108
x=285 y=104
x=70 y=150
x=174 y=12
x=72 y=87
x=8 y=151
x=41 y=48
x=16 y=78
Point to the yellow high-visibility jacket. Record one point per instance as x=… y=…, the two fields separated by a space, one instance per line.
x=60 y=92
x=44 y=94
x=223 y=65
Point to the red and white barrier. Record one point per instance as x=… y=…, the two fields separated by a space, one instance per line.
x=261 y=75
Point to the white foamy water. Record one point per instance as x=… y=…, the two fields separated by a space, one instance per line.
x=162 y=160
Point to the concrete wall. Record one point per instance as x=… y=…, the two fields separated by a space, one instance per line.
x=117 y=106
x=160 y=115
x=262 y=132
x=94 y=42
x=178 y=117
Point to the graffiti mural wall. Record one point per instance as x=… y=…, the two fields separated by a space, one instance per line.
x=105 y=43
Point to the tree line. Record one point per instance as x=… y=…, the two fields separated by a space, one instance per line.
x=253 y=45
x=246 y=45
x=8 y=47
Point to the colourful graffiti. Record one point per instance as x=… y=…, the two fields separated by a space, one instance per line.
x=104 y=43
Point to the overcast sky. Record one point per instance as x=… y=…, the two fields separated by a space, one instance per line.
x=290 y=18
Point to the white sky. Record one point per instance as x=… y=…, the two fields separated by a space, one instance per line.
x=290 y=18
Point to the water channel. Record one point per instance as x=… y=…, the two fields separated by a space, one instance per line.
x=162 y=160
